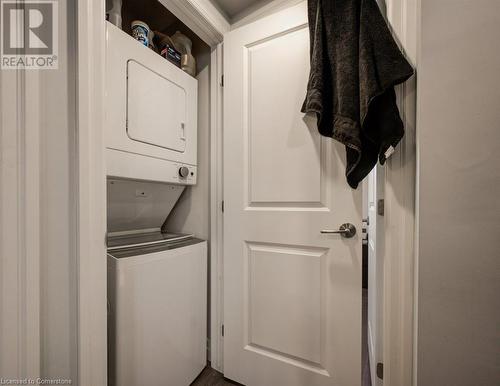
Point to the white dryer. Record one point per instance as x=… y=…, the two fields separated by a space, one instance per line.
x=157 y=290
x=151 y=113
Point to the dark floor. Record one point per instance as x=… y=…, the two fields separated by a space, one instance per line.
x=211 y=377
x=365 y=363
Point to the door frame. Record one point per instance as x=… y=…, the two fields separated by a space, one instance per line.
x=399 y=313
x=21 y=133
x=375 y=185
x=216 y=211
x=400 y=273
x=91 y=205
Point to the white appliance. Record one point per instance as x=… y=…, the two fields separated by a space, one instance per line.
x=157 y=290
x=151 y=113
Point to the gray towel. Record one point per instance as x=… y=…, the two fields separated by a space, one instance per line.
x=355 y=64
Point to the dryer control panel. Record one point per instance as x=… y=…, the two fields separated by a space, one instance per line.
x=121 y=164
x=186 y=174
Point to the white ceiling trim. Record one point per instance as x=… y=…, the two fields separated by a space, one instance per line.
x=202 y=17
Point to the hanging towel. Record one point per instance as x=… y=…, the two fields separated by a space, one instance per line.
x=355 y=64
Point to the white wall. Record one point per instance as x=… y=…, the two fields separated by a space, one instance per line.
x=192 y=212
x=458 y=129
x=38 y=298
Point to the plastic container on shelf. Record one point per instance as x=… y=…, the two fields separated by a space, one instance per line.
x=141 y=32
x=182 y=42
x=184 y=46
x=114 y=12
x=188 y=64
x=151 y=41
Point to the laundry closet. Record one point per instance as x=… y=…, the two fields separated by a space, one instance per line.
x=231 y=231
x=157 y=168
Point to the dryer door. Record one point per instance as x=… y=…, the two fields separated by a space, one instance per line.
x=157 y=118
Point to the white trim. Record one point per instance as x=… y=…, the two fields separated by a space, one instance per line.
x=32 y=193
x=202 y=17
x=19 y=224
x=92 y=311
x=399 y=262
x=371 y=355
x=216 y=216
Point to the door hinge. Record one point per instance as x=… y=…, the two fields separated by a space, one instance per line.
x=222 y=330
x=222 y=206
x=222 y=81
x=380 y=370
x=380 y=207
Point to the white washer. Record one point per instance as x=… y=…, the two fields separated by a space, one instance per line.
x=157 y=290
x=158 y=311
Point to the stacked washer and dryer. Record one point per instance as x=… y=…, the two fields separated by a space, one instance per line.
x=157 y=281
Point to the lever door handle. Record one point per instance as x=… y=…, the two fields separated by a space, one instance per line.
x=345 y=230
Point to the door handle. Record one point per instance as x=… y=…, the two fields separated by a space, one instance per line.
x=345 y=230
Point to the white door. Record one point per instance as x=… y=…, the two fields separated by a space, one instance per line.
x=292 y=296
x=376 y=185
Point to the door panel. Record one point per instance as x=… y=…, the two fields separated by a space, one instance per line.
x=284 y=316
x=273 y=119
x=292 y=296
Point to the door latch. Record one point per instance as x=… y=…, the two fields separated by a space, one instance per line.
x=380 y=207
x=380 y=370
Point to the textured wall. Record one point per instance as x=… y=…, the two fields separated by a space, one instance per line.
x=459 y=146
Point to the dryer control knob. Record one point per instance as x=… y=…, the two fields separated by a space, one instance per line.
x=183 y=171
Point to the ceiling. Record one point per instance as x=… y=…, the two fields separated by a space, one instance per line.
x=233 y=7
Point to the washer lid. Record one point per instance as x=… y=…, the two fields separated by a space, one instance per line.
x=138 y=205
x=120 y=241
x=152 y=248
